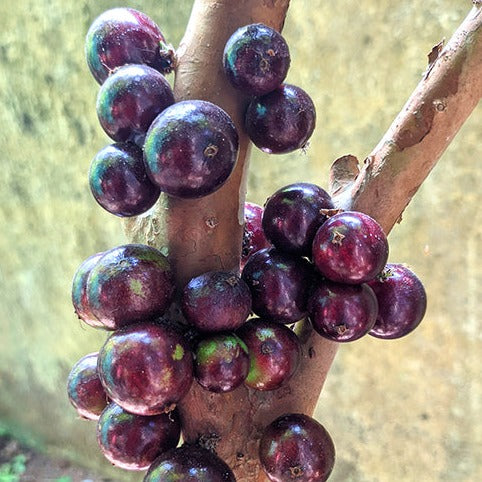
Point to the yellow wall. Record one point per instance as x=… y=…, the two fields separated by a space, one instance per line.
x=405 y=410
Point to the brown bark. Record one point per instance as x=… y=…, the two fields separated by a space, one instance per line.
x=205 y=234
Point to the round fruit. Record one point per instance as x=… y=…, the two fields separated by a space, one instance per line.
x=402 y=302
x=253 y=235
x=189 y=463
x=216 y=301
x=279 y=284
x=281 y=121
x=129 y=283
x=350 y=247
x=84 y=388
x=125 y=36
x=132 y=442
x=221 y=362
x=191 y=149
x=79 y=291
x=293 y=214
x=146 y=368
x=342 y=312
x=130 y=99
x=274 y=353
x=296 y=447
x=256 y=59
x=119 y=182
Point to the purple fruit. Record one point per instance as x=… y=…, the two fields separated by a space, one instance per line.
x=191 y=149
x=256 y=59
x=123 y=36
x=146 y=368
x=130 y=99
x=296 y=447
x=189 y=463
x=216 y=301
x=221 y=362
x=350 y=247
x=279 y=284
x=274 y=353
x=293 y=214
x=132 y=442
x=129 y=283
x=342 y=312
x=254 y=238
x=119 y=182
x=79 y=291
x=84 y=388
x=281 y=121
x=402 y=302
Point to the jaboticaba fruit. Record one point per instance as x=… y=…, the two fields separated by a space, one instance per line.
x=256 y=59
x=146 y=368
x=191 y=149
x=121 y=36
x=254 y=238
x=129 y=283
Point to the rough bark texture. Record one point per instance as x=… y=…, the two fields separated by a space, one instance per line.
x=206 y=234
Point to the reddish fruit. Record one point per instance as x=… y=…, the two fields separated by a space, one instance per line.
x=254 y=238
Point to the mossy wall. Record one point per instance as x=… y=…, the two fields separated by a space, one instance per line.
x=403 y=410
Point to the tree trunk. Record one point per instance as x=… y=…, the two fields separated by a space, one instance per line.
x=205 y=234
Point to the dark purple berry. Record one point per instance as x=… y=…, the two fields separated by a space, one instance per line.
x=296 y=447
x=191 y=149
x=221 y=362
x=256 y=59
x=123 y=36
x=129 y=283
x=293 y=214
x=84 y=388
x=189 y=463
x=119 y=182
x=216 y=301
x=279 y=284
x=350 y=247
x=402 y=302
x=79 y=291
x=146 y=368
x=274 y=353
x=132 y=442
x=254 y=238
x=342 y=312
x=130 y=99
x=281 y=121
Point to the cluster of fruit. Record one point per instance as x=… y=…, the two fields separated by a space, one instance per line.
x=301 y=258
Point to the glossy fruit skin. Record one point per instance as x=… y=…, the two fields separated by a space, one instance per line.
x=84 y=389
x=189 y=463
x=191 y=149
x=132 y=442
x=254 y=238
x=274 y=353
x=296 y=447
x=256 y=59
x=216 y=301
x=121 y=36
x=130 y=283
x=119 y=182
x=130 y=99
x=79 y=291
x=350 y=247
x=281 y=121
x=293 y=214
x=279 y=284
x=402 y=302
x=146 y=368
x=341 y=312
x=221 y=362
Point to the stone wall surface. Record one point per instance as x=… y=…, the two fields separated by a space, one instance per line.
x=405 y=410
